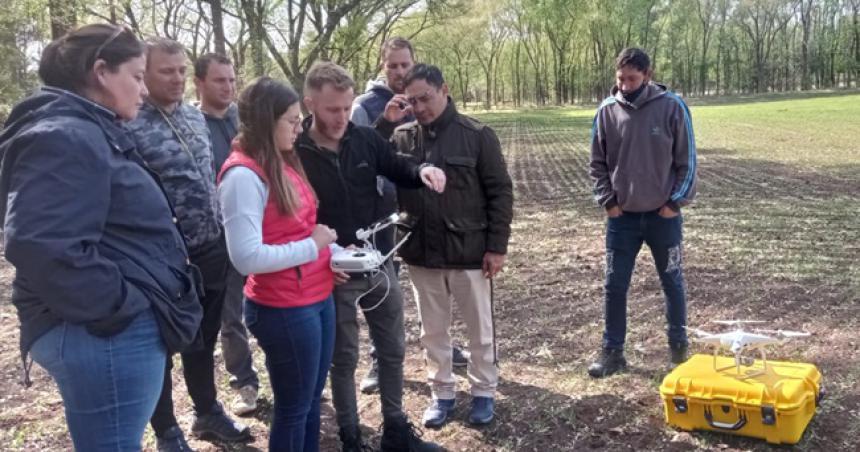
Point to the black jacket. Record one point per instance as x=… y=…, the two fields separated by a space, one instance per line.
x=474 y=214
x=89 y=230
x=345 y=181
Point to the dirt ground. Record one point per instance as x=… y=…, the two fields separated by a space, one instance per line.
x=758 y=245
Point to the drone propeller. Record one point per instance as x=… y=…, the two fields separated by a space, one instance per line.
x=785 y=333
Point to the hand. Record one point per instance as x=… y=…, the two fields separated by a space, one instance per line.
x=397 y=109
x=433 y=178
x=340 y=277
x=667 y=212
x=614 y=212
x=323 y=236
x=493 y=263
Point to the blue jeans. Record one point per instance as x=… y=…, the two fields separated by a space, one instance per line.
x=298 y=344
x=624 y=238
x=109 y=385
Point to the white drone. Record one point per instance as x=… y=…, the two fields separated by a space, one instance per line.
x=739 y=341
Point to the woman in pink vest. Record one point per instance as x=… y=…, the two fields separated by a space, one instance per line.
x=270 y=214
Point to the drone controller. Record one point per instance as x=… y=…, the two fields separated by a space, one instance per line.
x=367 y=258
x=358 y=260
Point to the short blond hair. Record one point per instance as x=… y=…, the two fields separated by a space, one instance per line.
x=326 y=72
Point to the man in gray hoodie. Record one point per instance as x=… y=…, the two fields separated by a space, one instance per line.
x=643 y=164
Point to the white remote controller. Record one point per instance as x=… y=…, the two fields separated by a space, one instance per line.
x=356 y=260
x=366 y=258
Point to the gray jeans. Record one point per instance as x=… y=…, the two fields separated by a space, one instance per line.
x=234 y=337
x=386 y=332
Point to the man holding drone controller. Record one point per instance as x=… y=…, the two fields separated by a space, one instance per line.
x=341 y=161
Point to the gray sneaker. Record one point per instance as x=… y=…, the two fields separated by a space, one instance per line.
x=245 y=402
x=219 y=426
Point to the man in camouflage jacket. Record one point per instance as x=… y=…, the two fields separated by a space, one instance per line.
x=173 y=139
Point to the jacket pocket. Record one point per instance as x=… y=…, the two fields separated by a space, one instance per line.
x=460 y=172
x=465 y=241
x=174 y=297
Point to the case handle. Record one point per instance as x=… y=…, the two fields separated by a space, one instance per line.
x=742 y=420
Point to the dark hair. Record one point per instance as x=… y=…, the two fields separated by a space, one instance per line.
x=427 y=72
x=395 y=43
x=261 y=104
x=633 y=57
x=67 y=62
x=326 y=72
x=201 y=66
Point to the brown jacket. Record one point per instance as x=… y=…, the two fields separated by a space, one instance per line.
x=454 y=229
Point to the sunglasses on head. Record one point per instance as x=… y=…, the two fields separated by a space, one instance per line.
x=119 y=29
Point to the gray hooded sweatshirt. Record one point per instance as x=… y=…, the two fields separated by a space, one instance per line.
x=643 y=154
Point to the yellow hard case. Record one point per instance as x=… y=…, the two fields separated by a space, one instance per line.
x=773 y=402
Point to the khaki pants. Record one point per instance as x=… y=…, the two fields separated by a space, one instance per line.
x=434 y=289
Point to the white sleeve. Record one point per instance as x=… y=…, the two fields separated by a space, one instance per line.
x=243 y=197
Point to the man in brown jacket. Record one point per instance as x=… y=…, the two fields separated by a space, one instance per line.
x=459 y=238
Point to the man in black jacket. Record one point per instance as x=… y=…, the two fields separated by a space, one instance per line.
x=460 y=238
x=341 y=161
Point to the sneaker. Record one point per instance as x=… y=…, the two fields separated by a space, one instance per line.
x=351 y=440
x=173 y=440
x=370 y=382
x=677 y=355
x=611 y=361
x=246 y=401
x=399 y=435
x=437 y=413
x=219 y=426
x=482 y=411
x=460 y=357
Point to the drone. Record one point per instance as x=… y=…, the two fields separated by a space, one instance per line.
x=739 y=341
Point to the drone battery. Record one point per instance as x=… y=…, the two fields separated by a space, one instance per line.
x=773 y=402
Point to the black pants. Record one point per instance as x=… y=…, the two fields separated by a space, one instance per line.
x=199 y=366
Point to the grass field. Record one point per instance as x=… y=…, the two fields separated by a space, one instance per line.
x=774 y=235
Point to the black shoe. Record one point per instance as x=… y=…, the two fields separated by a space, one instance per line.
x=399 y=435
x=611 y=361
x=677 y=355
x=370 y=382
x=173 y=440
x=219 y=426
x=460 y=358
x=351 y=441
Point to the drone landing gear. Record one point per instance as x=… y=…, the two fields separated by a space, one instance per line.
x=741 y=360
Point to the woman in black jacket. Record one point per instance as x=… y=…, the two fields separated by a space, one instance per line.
x=102 y=285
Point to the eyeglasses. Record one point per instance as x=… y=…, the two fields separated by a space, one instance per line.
x=295 y=122
x=422 y=98
x=113 y=36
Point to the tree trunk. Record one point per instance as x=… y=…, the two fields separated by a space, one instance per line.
x=255 y=35
x=64 y=16
x=218 y=27
x=806 y=23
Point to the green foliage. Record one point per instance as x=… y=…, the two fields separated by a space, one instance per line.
x=19 y=37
